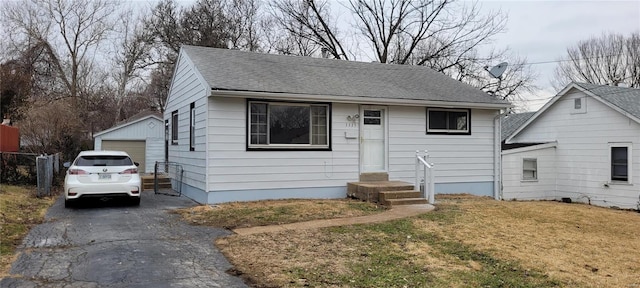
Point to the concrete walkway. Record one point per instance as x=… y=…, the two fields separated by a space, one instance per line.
x=397 y=212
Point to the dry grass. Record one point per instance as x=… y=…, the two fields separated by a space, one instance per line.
x=260 y=213
x=579 y=244
x=19 y=211
x=467 y=242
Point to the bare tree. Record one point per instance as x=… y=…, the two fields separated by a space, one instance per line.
x=69 y=31
x=609 y=59
x=244 y=24
x=444 y=35
x=132 y=48
x=310 y=20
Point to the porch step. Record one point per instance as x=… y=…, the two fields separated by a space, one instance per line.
x=405 y=201
x=388 y=195
x=163 y=182
x=369 y=191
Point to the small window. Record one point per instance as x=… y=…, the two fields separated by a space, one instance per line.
x=577 y=103
x=448 y=121
x=278 y=125
x=529 y=169
x=372 y=117
x=620 y=163
x=192 y=127
x=174 y=127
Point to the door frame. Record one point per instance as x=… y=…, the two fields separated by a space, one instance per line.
x=385 y=122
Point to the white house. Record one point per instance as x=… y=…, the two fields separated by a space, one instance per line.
x=249 y=126
x=588 y=149
x=142 y=136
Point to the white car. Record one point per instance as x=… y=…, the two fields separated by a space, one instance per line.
x=102 y=174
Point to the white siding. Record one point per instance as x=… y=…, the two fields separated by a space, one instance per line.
x=232 y=167
x=187 y=87
x=457 y=158
x=514 y=187
x=155 y=152
x=582 y=156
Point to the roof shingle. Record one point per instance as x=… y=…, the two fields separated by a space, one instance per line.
x=234 y=70
x=627 y=99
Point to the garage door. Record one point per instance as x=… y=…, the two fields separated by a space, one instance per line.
x=135 y=149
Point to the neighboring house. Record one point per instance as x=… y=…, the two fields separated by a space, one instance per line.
x=589 y=151
x=509 y=123
x=250 y=126
x=142 y=136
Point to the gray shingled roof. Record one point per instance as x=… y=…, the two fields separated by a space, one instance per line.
x=234 y=70
x=512 y=122
x=627 y=99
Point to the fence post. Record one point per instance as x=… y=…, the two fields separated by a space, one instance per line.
x=41 y=168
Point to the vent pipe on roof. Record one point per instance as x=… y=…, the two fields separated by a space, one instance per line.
x=325 y=52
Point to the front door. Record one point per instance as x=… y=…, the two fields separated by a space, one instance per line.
x=373 y=144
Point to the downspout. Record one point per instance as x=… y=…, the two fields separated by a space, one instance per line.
x=497 y=155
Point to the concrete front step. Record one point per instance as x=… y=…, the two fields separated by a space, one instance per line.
x=405 y=201
x=387 y=195
x=370 y=190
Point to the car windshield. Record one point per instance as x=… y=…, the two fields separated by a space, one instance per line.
x=104 y=160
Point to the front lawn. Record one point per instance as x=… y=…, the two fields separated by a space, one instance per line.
x=20 y=210
x=467 y=242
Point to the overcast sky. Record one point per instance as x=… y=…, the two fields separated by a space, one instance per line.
x=541 y=31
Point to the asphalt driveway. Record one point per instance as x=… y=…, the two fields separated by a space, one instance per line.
x=114 y=245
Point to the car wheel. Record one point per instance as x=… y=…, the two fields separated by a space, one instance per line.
x=68 y=203
x=135 y=201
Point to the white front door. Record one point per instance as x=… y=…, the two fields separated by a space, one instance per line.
x=373 y=143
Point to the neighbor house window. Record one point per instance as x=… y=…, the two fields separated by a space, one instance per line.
x=174 y=127
x=577 y=103
x=280 y=125
x=620 y=155
x=529 y=169
x=192 y=127
x=448 y=121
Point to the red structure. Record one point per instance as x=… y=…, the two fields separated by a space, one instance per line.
x=9 y=139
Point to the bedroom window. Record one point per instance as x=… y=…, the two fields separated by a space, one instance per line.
x=620 y=162
x=192 y=127
x=174 y=127
x=280 y=125
x=448 y=121
x=529 y=169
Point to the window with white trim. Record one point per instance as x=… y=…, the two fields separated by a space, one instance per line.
x=174 y=127
x=448 y=121
x=529 y=169
x=283 y=125
x=620 y=162
x=192 y=127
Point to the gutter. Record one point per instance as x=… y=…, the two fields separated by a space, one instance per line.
x=497 y=155
x=354 y=99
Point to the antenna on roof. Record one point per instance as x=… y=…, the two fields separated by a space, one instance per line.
x=496 y=72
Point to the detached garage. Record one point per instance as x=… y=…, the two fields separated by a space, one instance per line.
x=142 y=136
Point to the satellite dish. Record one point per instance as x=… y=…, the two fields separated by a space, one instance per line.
x=498 y=70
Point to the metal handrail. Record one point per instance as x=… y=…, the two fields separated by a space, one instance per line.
x=428 y=171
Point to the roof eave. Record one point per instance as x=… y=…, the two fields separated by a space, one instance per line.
x=125 y=125
x=354 y=99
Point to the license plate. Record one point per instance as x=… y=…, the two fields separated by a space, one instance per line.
x=104 y=176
